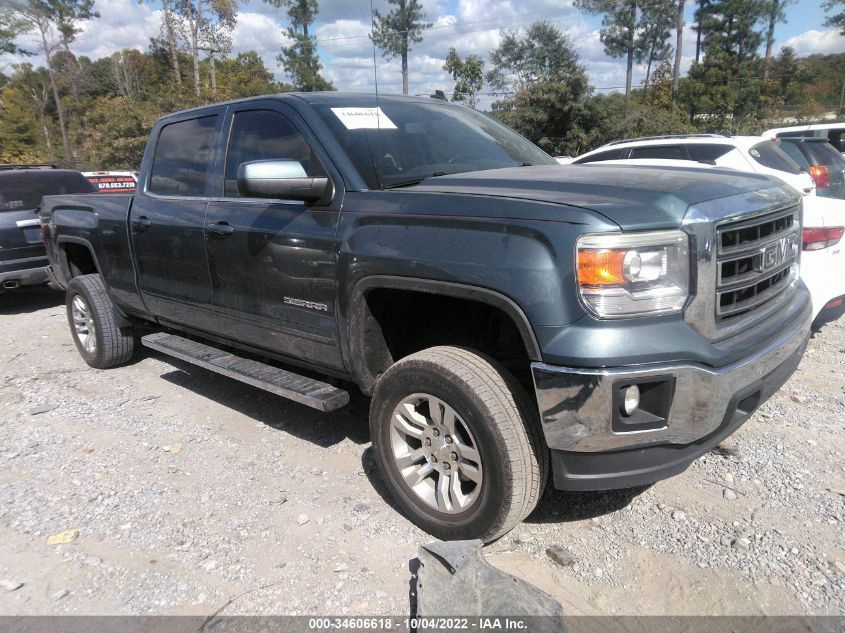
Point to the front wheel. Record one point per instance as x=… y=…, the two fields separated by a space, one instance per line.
x=99 y=340
x=457 y=444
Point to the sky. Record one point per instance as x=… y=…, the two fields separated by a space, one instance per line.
x=471 y=26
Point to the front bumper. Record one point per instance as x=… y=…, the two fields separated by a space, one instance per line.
x=589 y=452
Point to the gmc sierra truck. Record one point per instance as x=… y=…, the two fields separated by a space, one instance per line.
x=507 y=315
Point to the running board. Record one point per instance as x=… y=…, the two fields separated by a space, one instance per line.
x=307 y=391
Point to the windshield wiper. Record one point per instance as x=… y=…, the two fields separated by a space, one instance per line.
x=413 y=181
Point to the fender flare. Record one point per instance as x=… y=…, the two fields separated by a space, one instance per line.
x=357 y=316
x=122 y=319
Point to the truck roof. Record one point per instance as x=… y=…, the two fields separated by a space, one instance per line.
x=350 y=99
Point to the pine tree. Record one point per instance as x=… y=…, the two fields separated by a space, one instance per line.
x=396 y=32
x=300 y=59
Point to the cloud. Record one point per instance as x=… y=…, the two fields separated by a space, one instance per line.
x=811 y=42
x=260 y=33
x=121 y=25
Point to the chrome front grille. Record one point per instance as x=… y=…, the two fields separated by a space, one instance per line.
x=756 y=260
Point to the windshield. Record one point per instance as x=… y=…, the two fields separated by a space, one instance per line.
x=415 y=140
x=24 y=189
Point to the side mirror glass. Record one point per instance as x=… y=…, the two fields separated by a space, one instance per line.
x=282 y=179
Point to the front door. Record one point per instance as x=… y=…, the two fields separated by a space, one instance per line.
x=167 y=223
x=272 y=262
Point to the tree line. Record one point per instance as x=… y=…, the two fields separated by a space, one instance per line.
x=96 y=113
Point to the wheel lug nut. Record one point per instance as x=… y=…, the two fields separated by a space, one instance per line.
x=454 y=456
x=435 y=432
x=448 y=439
x=428 y=441
x=434 y=459
x=446 y=466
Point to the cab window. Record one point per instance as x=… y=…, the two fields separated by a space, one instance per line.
x=265 y=135
x=184 y=157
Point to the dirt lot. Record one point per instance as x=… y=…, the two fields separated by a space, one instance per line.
x=191 y=492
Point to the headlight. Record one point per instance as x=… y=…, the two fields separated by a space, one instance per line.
x=635 y=274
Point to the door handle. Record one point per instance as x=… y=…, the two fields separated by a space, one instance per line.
x=221 y=229
x=141 y=223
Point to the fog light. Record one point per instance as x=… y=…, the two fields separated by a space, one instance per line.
x=631 y=400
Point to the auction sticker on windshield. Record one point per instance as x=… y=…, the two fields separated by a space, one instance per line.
x=364 y=118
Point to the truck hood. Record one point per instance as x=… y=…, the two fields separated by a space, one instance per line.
x=634 y=197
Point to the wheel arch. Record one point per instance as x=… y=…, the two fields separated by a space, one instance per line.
x=368 y=349
x=79 y=256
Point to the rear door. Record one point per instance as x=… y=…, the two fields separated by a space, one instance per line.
x=272 y=262
x=167 y=221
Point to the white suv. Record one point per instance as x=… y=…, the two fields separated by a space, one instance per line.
x=744 y=153
x=823 y=259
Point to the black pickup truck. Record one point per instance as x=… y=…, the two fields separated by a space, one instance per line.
x=507 y=315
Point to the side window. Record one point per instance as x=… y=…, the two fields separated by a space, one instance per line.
x=613 y=154
x=707 y=152
x=184 y=157
x=837 y=139
x=670 y=152
x=265 y=135
x=768 y=154
x=791 y=150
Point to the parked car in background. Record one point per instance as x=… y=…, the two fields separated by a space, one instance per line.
x=744 y=153
x=823 y=257
x=23 y=259
x=833 y=132
x=113 y=181
x=817 y=157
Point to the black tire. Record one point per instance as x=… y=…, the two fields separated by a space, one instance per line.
x=111 y=347
x=504 y=426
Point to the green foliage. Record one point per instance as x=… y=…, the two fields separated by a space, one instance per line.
x=722 y=91
x=838 y=18
x=634 y=29
x=10 y=28
x=396 y=32
x=300 y=60
x=542 y=53
x=301 y=63
x=468 y=75
x=119 y=99
x=542 y=72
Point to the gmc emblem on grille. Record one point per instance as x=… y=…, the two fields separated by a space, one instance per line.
x=778 y=253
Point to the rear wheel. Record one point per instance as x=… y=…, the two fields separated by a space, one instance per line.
x=456 y=443
x=99 y=340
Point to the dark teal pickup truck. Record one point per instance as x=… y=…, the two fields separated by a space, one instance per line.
x=508 y=316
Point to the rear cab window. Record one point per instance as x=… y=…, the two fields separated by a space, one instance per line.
x=184 y=158
x=768 y=154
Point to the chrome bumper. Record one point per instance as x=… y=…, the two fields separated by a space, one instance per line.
x=577 y=411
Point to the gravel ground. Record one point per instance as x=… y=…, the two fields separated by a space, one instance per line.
x=183 y=492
